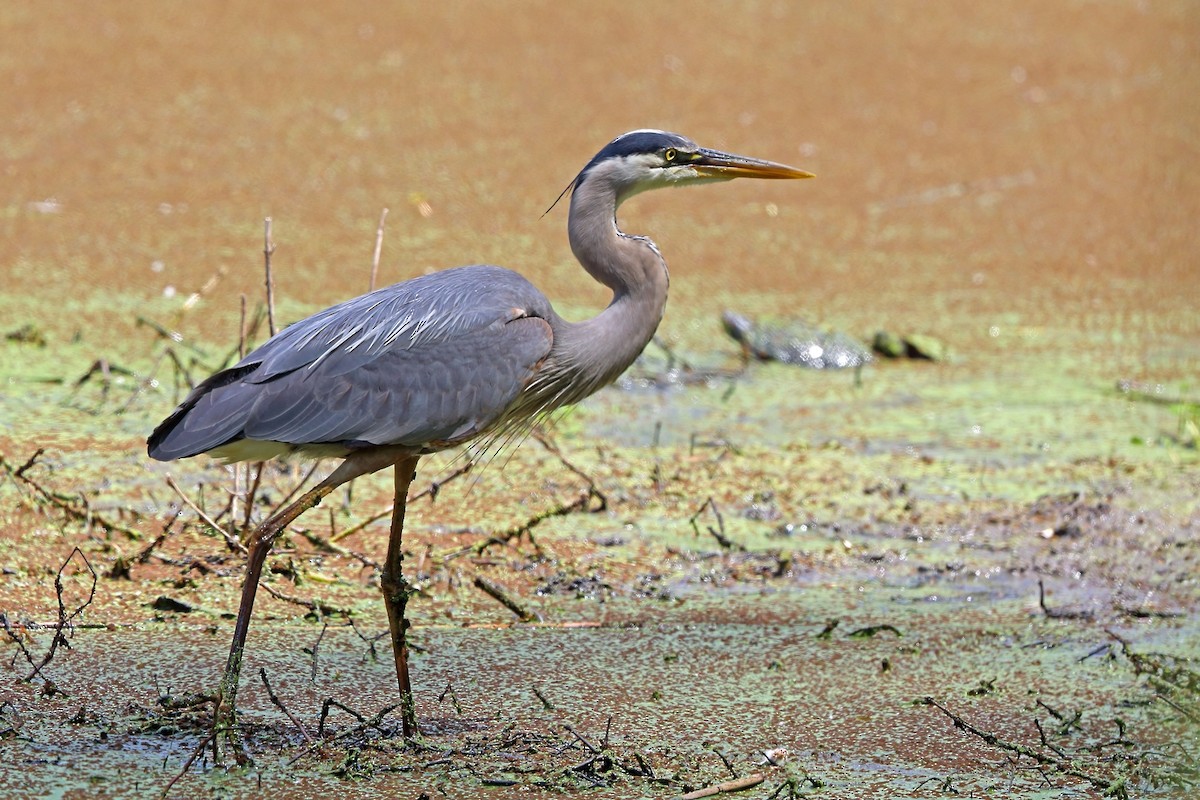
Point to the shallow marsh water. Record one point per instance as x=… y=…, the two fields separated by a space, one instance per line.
x=1022 y=183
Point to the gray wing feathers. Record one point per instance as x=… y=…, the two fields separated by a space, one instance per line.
x=418 y=312
x=432 y=360
x=439 y=392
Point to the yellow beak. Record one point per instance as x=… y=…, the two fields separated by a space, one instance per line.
x=715 y=164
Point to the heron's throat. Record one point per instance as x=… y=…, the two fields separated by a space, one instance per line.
x=631 y=267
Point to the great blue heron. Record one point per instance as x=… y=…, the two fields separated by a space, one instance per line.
x=440 y=360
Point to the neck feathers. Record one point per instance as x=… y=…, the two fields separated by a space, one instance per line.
x=600 y=349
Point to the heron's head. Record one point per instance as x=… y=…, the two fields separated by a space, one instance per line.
x=650 y=159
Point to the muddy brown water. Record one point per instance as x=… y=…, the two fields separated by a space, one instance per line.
x=1020 y=181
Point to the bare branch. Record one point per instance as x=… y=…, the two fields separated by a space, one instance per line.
x=268 y=251
x=231 y=541
x=378 y=250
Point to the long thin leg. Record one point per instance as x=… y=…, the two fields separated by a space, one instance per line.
x=356 y=464
x=259 y=547
x=396 y=591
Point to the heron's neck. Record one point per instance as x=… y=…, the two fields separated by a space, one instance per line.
x=631 y=266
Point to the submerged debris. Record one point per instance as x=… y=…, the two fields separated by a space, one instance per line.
x=915 y=345
x=27 y=334
x=797 y=342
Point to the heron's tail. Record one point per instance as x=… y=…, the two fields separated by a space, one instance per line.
x=206 y=419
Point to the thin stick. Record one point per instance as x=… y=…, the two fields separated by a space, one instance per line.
x=64 y=619
x=236 y=495
x=378 y=249
x=373 y=722
x=295 y=489
x=717 y=533
x=1065 y=766
x=187 y=765
x=238 y=468
x=728 y=786
x=316 y=606
x=175 y=337
x=501 y=597
x=546 y=704
x=262 y=673
x=431 y=491
x=208 y=286
x=242 y=331
x=233 y=543
x=547 y=443
x=526 y=528
x=582 y=740
x=144 y=554
x=1054 y=613
x=66 y=503
x=252 y=493
x=312 y=676
x=268 y=249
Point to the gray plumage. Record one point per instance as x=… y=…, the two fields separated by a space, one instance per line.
x=408 y=364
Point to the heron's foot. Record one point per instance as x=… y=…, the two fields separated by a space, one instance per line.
x=226 y=733
x=410 y=728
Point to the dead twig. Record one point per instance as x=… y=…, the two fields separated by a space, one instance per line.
x=19 y=472
x=187 y=765
x=1054 y=613
x=736 y=785
x=431 y=492
x=230 y=541
x=370 y=640
x=591 y=748
x=268 y=251
x=331 y=703
x=449 y=692
x=378 y=250
x=321 y=543
x=546 y=704
x=725 y=761
x=717 y=533
x=65 y=620
x=121 y=566
x=315 y=606
x=373 y=722
x=1060 y=764
x=287 y=498
x=16 y=639
x=526 y=528
x=546 y=442
x=174 y=337
x=11 y=720
x=65 y=503
x=150 y=379
x=105 y=370
x=500 y=596
x=262 y=673
x=870 y=631
x=316 y=649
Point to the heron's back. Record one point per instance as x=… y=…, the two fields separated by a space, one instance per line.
x=425 y=364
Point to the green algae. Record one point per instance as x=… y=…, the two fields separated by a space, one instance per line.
x=877 y=507
x=1029 y=529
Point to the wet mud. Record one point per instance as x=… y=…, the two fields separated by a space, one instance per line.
x=972 y=577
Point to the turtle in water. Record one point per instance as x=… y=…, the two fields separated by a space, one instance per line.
x=795 y=343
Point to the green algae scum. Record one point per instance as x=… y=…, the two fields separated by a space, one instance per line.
x=971 y=577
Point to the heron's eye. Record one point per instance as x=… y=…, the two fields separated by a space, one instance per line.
x=669 y=154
